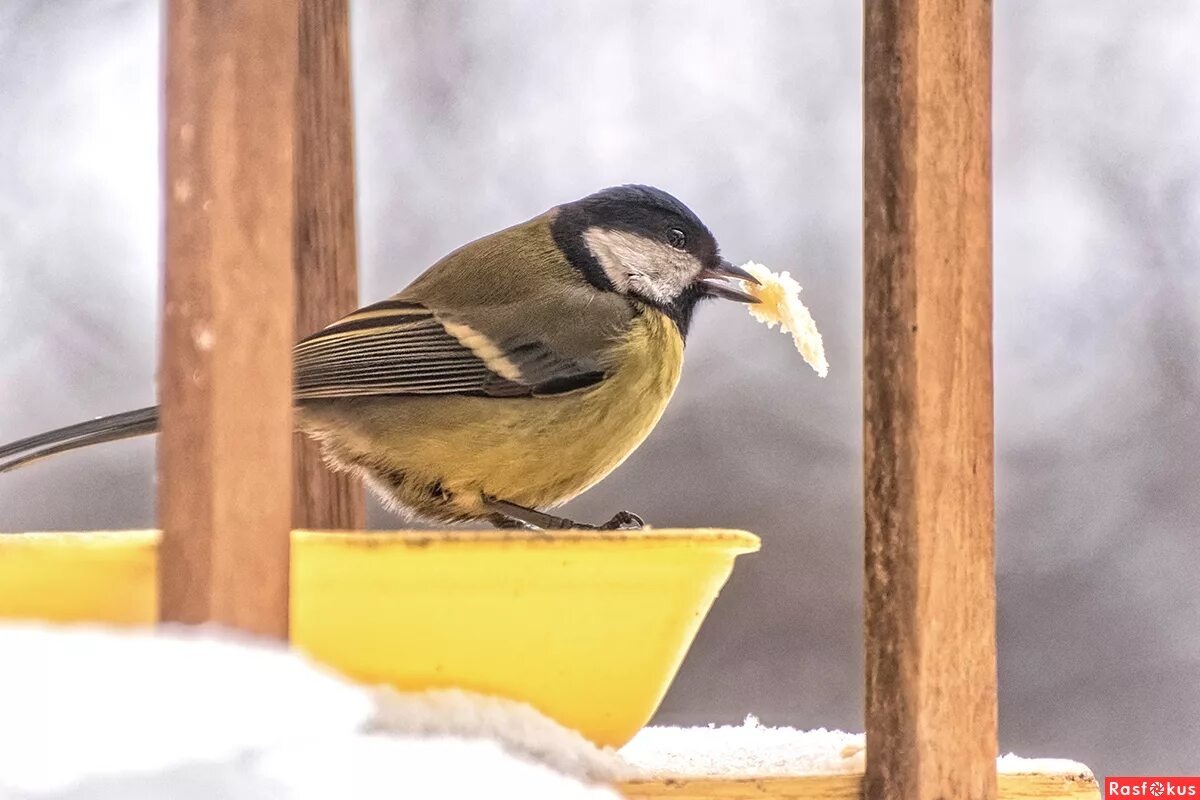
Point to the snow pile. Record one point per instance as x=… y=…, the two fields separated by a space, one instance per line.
x=752 y=750
x=188 y=713
x=92 y=702
x=517 y=727
x=747 y=750
x=200 y=713
x=1012 y=764
x=366 y=767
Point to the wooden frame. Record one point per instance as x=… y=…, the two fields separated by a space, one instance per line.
x=927 y=400
x=260 y=247
x=224 y=463
x=260 y=193
x=845 y=787
x=325 y=243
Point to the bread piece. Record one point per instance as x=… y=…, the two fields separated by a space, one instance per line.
x=779 y=304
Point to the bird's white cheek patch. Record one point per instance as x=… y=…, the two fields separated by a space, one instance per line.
x=597 y=242
x=640 y=265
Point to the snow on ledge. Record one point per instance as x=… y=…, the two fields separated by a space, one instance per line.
x=742 y=751
x=91 y=712
x=749 y=750
x=1012 y=764
x=752 y=750
x=519 y=728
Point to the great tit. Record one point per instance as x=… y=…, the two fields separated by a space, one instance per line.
x=511 y=376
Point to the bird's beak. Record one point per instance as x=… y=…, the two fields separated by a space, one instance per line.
x=713 y=279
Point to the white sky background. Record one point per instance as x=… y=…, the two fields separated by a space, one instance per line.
x=472 y=116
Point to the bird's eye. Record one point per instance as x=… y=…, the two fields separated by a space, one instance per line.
x=676 y=238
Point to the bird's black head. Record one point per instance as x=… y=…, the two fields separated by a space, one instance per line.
x=641 y=242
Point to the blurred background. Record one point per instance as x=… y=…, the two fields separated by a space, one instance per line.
x=473 y=115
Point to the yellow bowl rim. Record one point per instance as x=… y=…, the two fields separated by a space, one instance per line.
x=731 y=540
x=97 y=539
x=735 y=541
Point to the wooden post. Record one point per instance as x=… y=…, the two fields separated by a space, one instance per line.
x=930 y=582
x=225 y=461
x=326 y=273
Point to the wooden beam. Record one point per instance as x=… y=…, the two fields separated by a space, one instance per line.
x=930 y=583
x=225 y=456
x=1040 y=786
x=326 y=272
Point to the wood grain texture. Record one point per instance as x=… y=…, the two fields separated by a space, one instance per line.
x=930 y=583
x=325 y=245
x=225 y=458
x=843 y=787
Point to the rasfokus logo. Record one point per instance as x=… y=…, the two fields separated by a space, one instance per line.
x=1157 y=786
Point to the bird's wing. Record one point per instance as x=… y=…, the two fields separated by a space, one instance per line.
x=401 y=347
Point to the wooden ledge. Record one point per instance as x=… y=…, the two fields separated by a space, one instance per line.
x=1047 y=786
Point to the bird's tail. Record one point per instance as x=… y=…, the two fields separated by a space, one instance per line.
x=96 y=431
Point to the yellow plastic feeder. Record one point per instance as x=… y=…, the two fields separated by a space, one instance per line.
x=587 y=627
x=100 y=576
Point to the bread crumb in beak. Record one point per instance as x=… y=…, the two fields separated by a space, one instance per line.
x=779 y=303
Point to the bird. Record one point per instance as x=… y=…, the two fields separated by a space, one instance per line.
x=509 y=377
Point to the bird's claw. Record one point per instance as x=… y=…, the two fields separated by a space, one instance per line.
x=623 y=521
x=510 y=515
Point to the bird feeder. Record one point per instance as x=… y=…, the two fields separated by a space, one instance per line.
x=260 y=249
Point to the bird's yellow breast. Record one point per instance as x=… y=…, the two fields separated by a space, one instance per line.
x=535 y=452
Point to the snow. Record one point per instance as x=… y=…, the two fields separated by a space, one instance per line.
x=196 y=713
x=747 y=750
x=1012 y=764
x=199 y=713
x=517 y=727
x=359 y=766
x=373 y=766
x=88 y=702
x=754 y=750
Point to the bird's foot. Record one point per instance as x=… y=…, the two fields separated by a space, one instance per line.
x=623 y=521
x=511 y=515
x=510 y=523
